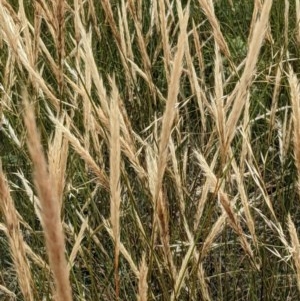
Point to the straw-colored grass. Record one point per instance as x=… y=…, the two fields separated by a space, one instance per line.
x=150 y=150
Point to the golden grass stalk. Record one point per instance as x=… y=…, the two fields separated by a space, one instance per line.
x=298 y=21
x=245 y=202
x=167 y=122
x=50 y=209
x=246 y=134
x=295 y=251
x=256 y=12
x=295 y=99
x=84 y=154
x=143 y=285
x=240 y=91
x=218 y=105
x=165 y=37
x=114 y=177
x=192 y=74
x=226 y=204
x=37 y=31
x=77 y=244
x=59 y=12
x=276 y=93
x=10 y=29
x=16 y=241
x=208 y=8
x=57 y=160
x=111 y=21
x=286 y=22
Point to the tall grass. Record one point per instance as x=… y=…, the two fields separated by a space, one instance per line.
x=150 y=150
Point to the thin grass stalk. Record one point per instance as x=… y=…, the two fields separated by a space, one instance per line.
x=295 y=99
x=286 y=22
x=208 y=8
x=60 y=42
x=226 y=204
x=297 y=11
x=218 y=105
x=295 y=250
x=240 y=91
x=50 y=208
x=115 y=159
x=165 y=37
x=16 y=241
x=143 y=285
x=57 y=159
x=167 y=122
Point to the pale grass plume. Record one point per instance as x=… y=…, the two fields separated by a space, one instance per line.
x=170 y=110
x=59 y=13
x=256 y=12
x=143 y=284
x=114 y=177
x=10 y=29
x=164 y=31
x=15 y=238
x=295 y=248
x=140 y=39
x=226 y=203
x=246 y=136
x=205 y=189
x=295 y=99
x=276 y=92
x=286 y=22
x=57 y=160
x=111 y=21
x=77 y=244
x=246 y=203
x=208 y=8
x=238 y=96
x=102 y=178
x=193 y=76
x=298 y=21
x=50 y=208
x=218 y=105
x=180 y=281
x=203 y=285
x=167 y=122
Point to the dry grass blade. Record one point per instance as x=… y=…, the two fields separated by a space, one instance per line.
x=167 y=122
x=57 y=159
x=295 y=251
x=240 y=91
x=226 y=204
x=78 y=240
x=298 y=21
x=16 y=241
x=84 y=154
x=115 y=159
x=165 y=36
x=143 y=285
x=60 y=41
x=295 y=99
x=50 y=209
x=208 y=8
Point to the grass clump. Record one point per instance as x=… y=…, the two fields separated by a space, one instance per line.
x=149 y=150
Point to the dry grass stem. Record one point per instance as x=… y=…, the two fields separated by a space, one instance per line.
x=16 y=239
x=115 y=192
x=50 y=209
